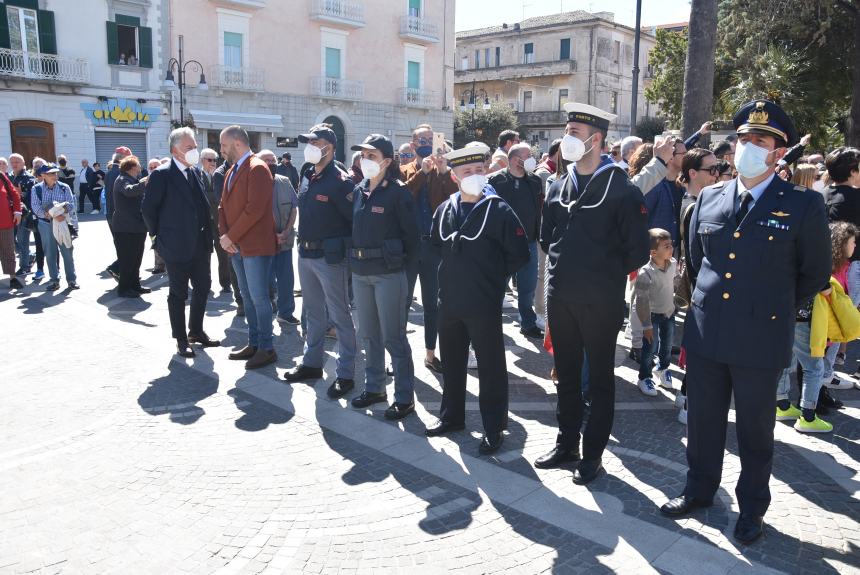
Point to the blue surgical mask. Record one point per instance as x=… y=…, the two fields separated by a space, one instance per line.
x=424 y=151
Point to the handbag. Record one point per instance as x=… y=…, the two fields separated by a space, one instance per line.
x=683 y=283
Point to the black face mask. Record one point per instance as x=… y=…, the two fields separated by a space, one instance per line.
x=273 y=169
x=63 y=163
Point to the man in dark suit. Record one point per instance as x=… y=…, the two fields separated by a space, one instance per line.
x=762 y=248
x=286 y=168
x=177 y=213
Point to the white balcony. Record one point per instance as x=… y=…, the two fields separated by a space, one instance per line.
x=241 y=79
x=343 y=12
x=418 y=28
x=337 y=88
x=416 y=98
x=43 y=67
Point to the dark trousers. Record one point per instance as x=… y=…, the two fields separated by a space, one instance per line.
x=226 y=273
x=709 y=393
x=129 y=251
x=578 y=329
x=85 y=192
x=426 y=267
x=197 y=272
x=114 y=267
x=485 y=334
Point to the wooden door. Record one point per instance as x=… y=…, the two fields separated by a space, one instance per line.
x=32 y=138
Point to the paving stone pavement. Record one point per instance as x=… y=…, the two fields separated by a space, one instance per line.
x=118 y=457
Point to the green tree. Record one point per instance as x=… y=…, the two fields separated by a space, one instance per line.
x=484 y=125
x=649 y=128
x=668 y=59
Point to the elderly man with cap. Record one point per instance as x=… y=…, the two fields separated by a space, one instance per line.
x=324 y=238
x=384 y=240
x=762 y=249
x=44 y=196
x=482 y=243
x=595 y=230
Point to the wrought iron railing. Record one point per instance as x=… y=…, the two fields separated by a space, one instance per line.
x=49 y=67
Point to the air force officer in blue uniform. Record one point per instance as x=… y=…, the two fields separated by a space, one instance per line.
x=762 y=247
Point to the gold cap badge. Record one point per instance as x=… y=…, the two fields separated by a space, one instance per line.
x=759 y=115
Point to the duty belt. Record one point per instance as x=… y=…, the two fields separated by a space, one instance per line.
x=365 y=253
x=307 y=245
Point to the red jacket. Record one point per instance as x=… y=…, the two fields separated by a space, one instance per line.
x=10 y=202
x=245 y=213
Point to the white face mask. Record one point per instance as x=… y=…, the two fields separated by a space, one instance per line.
x=192 y=157
x=751 y=160
x=530 y=164
x=369 y=168
x=818 y=186
x=313 y=154
x=572 y=148
x=473 y=185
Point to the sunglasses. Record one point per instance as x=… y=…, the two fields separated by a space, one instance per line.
x=407 y=155
x=713 y=170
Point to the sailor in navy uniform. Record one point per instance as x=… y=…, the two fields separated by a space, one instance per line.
x=762 y=247
x=595 y=231
x=482 y=242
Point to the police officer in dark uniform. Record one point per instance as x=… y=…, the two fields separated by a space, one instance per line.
x=482 y=242
x=384 y=240
x=595 y=230
x=324 y=238
x=762 y=247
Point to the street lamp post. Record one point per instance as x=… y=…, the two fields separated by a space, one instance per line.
x=179 y=67
x=473 y=101
x=634 y=99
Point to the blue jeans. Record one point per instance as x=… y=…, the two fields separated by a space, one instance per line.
x=426 y=267
x=814 y=369
x=284 y=280
x=50 y=247
x=252 y=275
x=526 y=286
x=854 y=282
x=661 y=346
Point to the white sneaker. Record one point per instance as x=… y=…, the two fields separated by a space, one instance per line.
x=647 y=387
x=682 y=416
x=680 y=400
x=664 y=378
x=837 y=383
x=473 y=361
x=94 y=212
x=541 y=322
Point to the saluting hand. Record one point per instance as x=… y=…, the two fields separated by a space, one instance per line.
x=804 y=141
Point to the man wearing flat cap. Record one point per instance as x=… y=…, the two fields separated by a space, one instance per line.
x=595 y=231
x=762 y=248
x=482 y=242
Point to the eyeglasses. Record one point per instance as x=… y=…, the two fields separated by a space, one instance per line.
x=213 y=160
x=713 y=170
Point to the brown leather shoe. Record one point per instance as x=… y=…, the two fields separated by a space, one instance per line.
x=261 y=358
x=246 y=352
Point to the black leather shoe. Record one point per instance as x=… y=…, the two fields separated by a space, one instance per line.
x=340 y=387
x=183 y=348
x=558 y=456
x=825 y=399
x=682 y=505
x=141 y=289
x=749 y=527
x=303 y=372
x=635 y=354
x=367 y=399
x=443 y=427
x=203 y=339
x=587 y=471
x=491 y=443
x=399 y=410
x=532 y=332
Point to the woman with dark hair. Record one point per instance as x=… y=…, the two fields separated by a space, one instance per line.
x=384 y=241
x=640 y=159
x=129 y=231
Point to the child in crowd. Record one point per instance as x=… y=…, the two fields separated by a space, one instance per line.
x=654 y=305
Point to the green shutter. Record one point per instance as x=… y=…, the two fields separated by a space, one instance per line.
x=47 y=32
x=31 y=4
x=132 y=21
x=112 y=43
x=415 y=7
x=332 y=63
x=4 y=28
x=144 y=41
x=413 y=75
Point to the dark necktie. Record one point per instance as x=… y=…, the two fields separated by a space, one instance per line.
x=746 y=200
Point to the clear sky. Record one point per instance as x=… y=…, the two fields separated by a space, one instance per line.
x=480 y=13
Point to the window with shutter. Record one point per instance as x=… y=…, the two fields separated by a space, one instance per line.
x=112 y=42
x=47 y=32
x=144 y=39
x=4 y=28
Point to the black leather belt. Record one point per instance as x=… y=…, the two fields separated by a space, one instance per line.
x=307 y=245
x=365 y=253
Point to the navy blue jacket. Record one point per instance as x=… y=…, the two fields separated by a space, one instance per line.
x=110 y=179
x=477 y=256
x=753 y=277
x=383 y=222
x=595 y=242
x=664 y=207
x=325 y=210
x=170 y=213
x=524 y=195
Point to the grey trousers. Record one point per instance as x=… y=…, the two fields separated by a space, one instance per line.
x=380 y=303
x=324 y=286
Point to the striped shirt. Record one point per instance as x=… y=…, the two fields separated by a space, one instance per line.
x=59 y=193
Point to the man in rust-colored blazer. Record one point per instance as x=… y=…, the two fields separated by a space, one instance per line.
x=247 y=227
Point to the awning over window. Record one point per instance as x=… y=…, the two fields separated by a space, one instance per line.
x=215 y=120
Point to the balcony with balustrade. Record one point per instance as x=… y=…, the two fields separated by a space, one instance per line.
x=349 y=14
x=417 y=98
x=239 y=79
x=33 y=66
x=419 y=28
x=337 y=89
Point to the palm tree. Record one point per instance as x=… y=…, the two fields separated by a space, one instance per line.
x=699 y=67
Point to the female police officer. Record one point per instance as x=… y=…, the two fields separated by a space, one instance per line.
x=384 y=238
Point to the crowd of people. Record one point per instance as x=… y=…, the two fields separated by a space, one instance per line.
x=594 y=235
